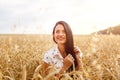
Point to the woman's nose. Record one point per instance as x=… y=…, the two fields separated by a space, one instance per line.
x=61 y=33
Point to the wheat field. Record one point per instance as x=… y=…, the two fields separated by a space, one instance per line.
x=20 y=57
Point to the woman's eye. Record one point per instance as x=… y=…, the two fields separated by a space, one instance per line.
x=57 y=31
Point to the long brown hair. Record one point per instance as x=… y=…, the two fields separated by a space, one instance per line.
x=69 y=45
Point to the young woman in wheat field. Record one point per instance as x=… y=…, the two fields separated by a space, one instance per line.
x=64 y=57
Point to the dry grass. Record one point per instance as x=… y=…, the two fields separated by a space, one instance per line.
x=21 y=55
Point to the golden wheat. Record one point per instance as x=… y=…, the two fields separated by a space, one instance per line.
x=21 y=57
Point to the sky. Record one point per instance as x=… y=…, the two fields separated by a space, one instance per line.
x=40 y=16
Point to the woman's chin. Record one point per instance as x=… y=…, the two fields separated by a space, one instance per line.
x=61 y=42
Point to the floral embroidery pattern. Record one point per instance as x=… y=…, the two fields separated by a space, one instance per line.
x=54 y=57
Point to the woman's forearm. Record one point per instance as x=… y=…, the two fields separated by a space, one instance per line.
x=80 y=64
x=62 y=71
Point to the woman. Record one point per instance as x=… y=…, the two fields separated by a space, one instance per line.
x=64 y=56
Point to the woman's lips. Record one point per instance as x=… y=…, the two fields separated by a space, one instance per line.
x=60 y=39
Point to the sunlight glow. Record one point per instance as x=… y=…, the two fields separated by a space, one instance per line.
x=84 y=16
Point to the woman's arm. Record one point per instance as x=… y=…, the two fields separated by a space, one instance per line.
x=78 y=54
x=68 y=61
x=79 y=61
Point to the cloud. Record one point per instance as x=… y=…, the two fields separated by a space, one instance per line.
x=28 y=15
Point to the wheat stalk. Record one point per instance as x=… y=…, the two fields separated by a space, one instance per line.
x=36 y=74
x=0 y=74
x=24 y=74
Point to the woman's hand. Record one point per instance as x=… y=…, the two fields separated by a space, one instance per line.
x=68 y=61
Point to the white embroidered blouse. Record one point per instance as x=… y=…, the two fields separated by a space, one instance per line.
x=54 y=57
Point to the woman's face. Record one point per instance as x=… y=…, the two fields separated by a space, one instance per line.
x=59 y=34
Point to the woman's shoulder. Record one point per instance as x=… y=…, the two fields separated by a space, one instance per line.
x=78 y=50
x=48 y=56
x=51 y=51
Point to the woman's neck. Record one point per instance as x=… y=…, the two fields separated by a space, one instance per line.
x=62 y=50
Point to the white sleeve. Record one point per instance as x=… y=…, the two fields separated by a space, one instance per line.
x=46 y=58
